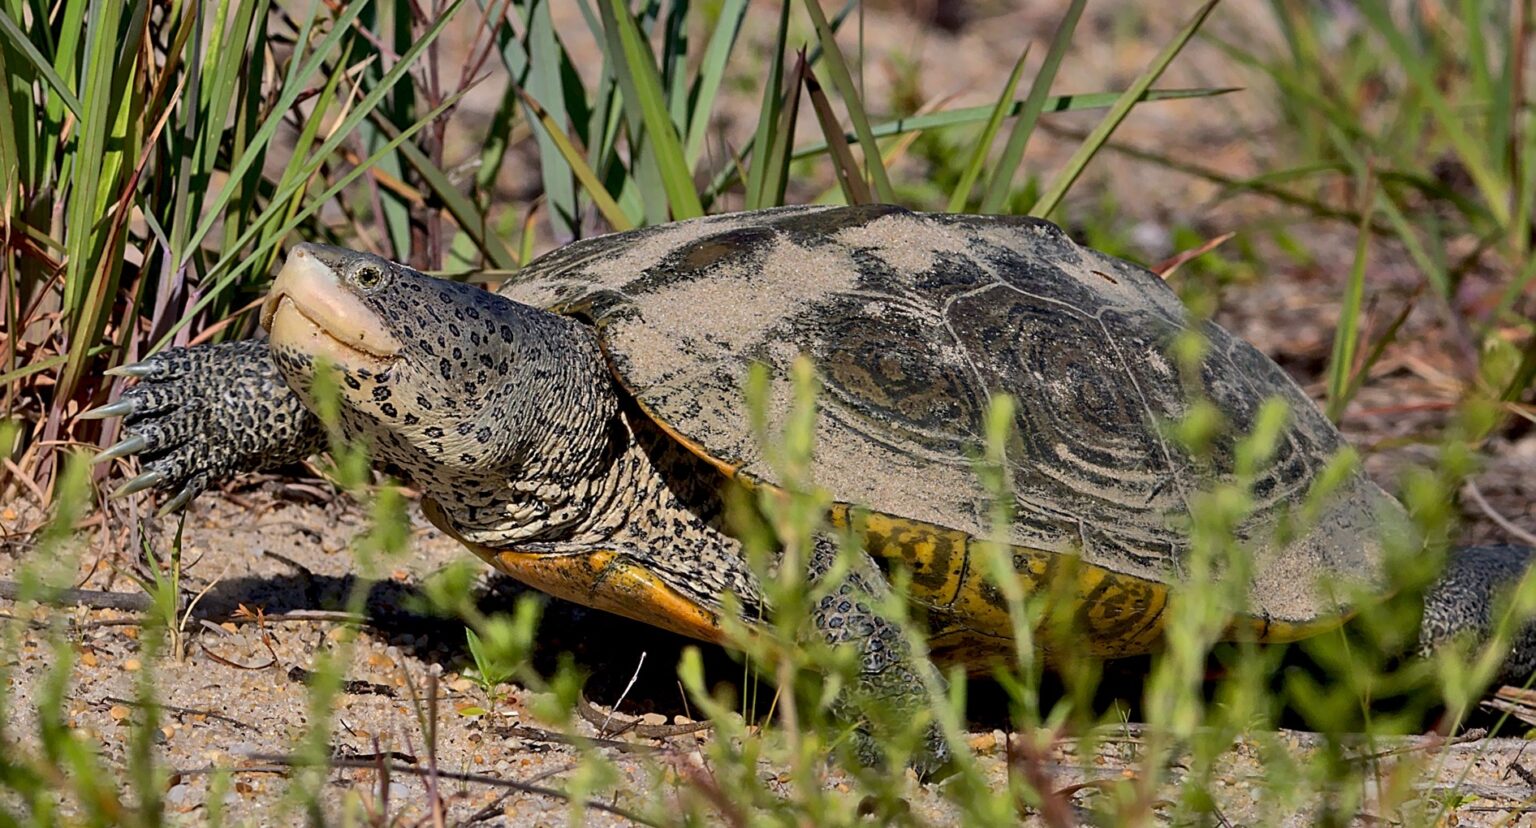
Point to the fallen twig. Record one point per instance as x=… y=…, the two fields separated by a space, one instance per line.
x=1493 y=514
x=180 y=711
x=538 y=734
x=600 y=720
x=1433 y=741
x=139 y=602
x=65 y=597
x=352 y=687
x=283 y=764
x=494 y=808
x=602 y=729
x=1169 y=266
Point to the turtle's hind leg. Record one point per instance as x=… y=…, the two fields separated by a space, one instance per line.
x=1467 y=600
x=207 y=413
x=890 y=683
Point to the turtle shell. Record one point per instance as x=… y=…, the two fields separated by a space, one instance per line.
x=915 y=321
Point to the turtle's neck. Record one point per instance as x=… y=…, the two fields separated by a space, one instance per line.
x=643 y=494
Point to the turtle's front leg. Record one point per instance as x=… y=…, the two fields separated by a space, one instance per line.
x=207 y=413
x=890 y=676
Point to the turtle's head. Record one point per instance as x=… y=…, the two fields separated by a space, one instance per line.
x=444 y=380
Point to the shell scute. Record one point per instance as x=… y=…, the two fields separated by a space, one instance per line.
x=916 y=322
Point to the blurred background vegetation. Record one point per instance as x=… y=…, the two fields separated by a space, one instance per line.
x=1349 y=185
x=155 y=157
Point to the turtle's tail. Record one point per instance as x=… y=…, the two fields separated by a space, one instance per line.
x=1468 y=601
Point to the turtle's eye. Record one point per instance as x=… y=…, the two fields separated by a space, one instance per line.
x=368 y=277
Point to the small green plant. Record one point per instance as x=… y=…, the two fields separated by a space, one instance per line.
x=492 y=669
x=1410 y=123
x=137 y=183
x=147 y=193
x=159 y=578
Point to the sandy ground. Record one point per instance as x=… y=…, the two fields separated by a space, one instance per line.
x=275 y=546
x=238 y=697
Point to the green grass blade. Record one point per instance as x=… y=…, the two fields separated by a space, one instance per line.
x=1423 y=75
x=1013 y=152
x=498 y=140
x=226 y=271
x=642 y=90
x=711 y=71
x=84 y=208
x=1525 y=202
x=24 y=44
x=977 y=114
x=1479 y=64
x=27 y=132
x=962 y=193
x=187 y=199
x=295 y=179
x=109 y=138
x=10 y=157
x=776 y=178
x=962 y=117
x=229 y=67
x=469 y=217
x=247 y=119
x=674 y=64
x=768 y=116
x=213 y=212
x=393 y=210
x=33 y=368
x=849 y=177
x=1100 y=134
x=1429 y=258
x=1509 y=129
x=603 y=125
x=604 y=201
x=1346 y=338
x=545 y=56
x=1378 y=348
x=842 y=79
x=1516 y=288
x=66 y=60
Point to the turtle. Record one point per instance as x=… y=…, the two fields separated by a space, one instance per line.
x=580 y=427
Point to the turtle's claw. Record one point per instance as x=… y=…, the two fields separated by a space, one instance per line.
x=132 y=445
x=147 y=480
x=181 y=499
x=136 y=369
x=200 y=415
x=121 y=408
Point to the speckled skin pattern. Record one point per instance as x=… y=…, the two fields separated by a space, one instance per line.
x=1466 y=600
x=211 y=412
x=507 y=418
x=604 y=431
x=915 y=321
x=888 y=670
